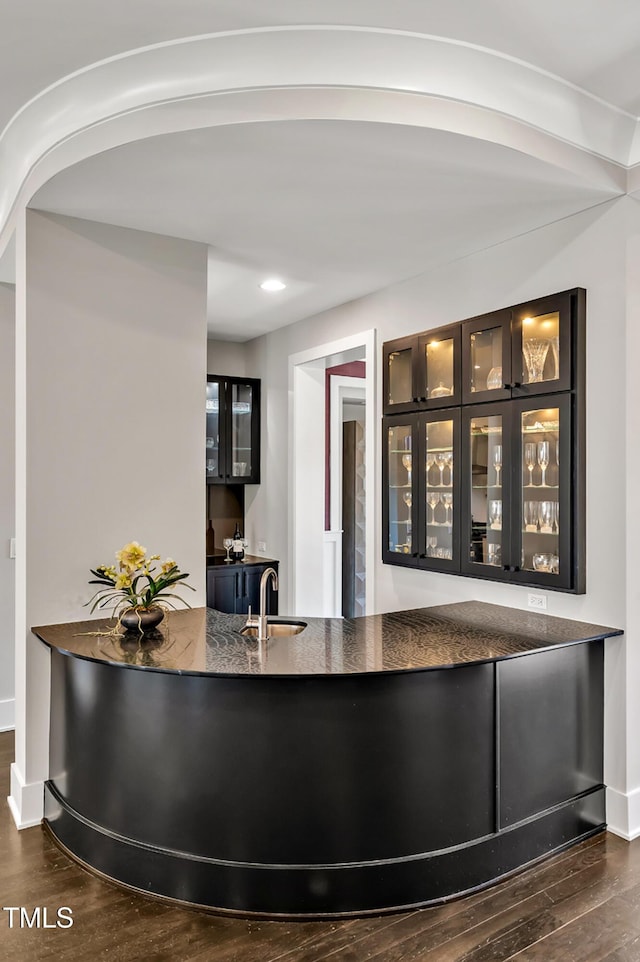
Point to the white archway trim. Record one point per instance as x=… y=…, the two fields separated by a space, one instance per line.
x=204 y=80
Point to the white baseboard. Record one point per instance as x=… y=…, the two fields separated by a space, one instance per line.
x=26 y=801
x=623 y=813
x=7 y=715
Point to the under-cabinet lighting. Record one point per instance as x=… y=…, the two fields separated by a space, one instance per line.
x=527 y=320
x=272 y=284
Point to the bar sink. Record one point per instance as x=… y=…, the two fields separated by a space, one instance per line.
x=275 y=629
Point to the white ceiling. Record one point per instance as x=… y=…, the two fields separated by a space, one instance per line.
x=336 y=208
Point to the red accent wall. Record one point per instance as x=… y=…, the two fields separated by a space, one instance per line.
x=352 y=369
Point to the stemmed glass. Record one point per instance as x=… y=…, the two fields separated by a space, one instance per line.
x=530 y=460
x=441 y=461
x=447 y=500
x=448 y=460
x=543 y=459
x=432 y=501
x=406 y=497
x=495 y=514
x=228 y=544
x=431 y=460
x=497 y=462
x=432 y=543
x=406 y=463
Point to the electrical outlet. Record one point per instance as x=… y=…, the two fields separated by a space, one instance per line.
x=262 y=545
x=539 y=602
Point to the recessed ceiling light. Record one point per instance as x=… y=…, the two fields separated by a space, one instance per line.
x=272 y=284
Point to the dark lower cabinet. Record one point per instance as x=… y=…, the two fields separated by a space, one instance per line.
x=235 y=588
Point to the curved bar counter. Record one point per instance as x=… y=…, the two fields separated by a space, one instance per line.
x=363 y=765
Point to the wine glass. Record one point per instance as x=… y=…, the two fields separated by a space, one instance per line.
x=406 y=463
x=530 y=460
x=431 y=460
x=406 y=497
x=441 y=461
x=448 y=460
x=497 y=462
x=543 y=459
x=228 y=544
x=447 y=500
x=432 y=501
x=432 y=543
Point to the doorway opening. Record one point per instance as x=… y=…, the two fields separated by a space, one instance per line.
x=332 y=510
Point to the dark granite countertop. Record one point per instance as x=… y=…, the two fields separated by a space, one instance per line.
x=219 y=560
x=204 y=641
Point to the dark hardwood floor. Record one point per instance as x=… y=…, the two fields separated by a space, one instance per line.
x=580 y=906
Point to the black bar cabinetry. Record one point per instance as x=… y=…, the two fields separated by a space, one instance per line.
x=422 y=371
x=234 y=587
x=493 y=487
x=233 y=430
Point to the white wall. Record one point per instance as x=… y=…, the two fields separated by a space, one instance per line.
x=111 y=420
x=227 y=357
x=589 y=250
x=7 y=505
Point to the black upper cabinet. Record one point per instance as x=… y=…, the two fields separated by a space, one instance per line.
x=486 y=357
x=492 y=485
x=530 y=349
x=422 y=371
x=544 y=336
x=233 y=430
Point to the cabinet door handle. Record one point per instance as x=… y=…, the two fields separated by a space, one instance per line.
x=415 y=399
x=424 y=398
x=507 y=386
x=511 y=567
x=517 y=384
x=415 y=554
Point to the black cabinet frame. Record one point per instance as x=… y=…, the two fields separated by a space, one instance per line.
x=224 y=473
x=510 y=401
x=417 y=344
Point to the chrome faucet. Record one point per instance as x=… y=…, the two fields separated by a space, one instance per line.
x=262 y=617
x=261 y=621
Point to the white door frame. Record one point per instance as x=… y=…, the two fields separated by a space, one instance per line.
x=298 y=432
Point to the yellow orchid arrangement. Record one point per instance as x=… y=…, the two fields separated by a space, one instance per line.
x=134 y=583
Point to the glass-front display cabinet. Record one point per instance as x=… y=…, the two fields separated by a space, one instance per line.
x=493 y=489
x=233 y=430
x=400 y=446
x=524 y=350
x=422 y=371
x=421 y=498
x=518 y=510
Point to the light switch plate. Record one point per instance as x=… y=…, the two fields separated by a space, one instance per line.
x=12 y=547
x=262 y=545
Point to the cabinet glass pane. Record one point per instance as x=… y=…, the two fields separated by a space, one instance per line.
x=486 y=490
x=540 y=489
x=241 y=408
x=439 y=363
x=540 y=348
x=400 y=491
x=486 y=360
x=439 y=489
x=400 y=377
x=213 y=430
